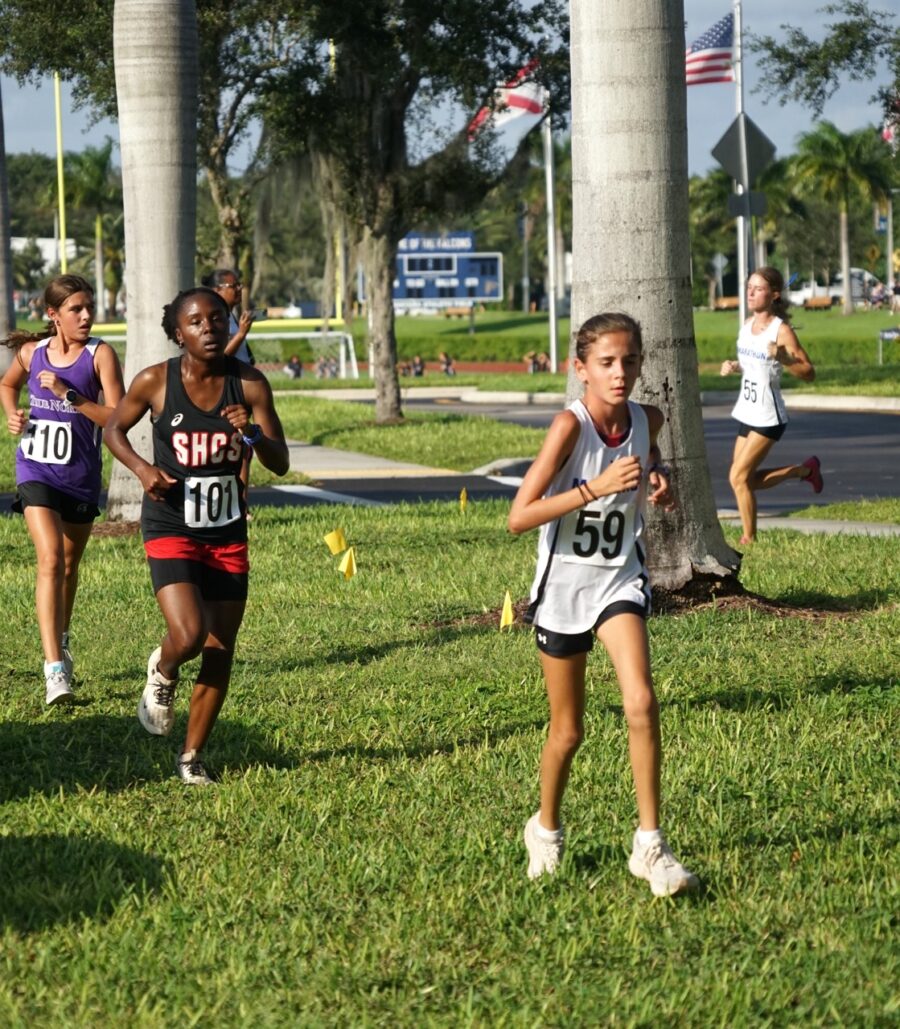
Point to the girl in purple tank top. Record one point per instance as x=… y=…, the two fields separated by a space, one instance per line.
x=74 y=382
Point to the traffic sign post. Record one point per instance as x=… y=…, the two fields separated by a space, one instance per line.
x=743 y=151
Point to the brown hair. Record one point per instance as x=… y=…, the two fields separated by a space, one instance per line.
x=775 y=281
x=56 y=293
x=600 y=325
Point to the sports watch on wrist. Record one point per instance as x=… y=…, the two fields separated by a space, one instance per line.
x=71 y=396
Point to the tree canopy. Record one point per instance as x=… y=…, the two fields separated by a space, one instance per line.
x=796 y=67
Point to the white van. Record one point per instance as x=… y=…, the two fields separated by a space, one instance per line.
x=862 y=284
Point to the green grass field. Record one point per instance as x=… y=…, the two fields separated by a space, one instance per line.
x=843 y=349
x=361 y=863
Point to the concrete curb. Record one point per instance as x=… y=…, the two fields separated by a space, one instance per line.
x=817 y=526
x=794 y=401
x=803 y=401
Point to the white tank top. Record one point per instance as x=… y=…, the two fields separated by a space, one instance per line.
x=587 y=556
x=759 y=402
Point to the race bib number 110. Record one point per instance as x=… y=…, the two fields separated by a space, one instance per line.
x=47 y=442
x=211 y=501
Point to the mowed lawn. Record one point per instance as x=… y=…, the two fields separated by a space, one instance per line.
x=361 y=862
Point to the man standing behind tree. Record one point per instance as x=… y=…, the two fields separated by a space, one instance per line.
x=226 y=283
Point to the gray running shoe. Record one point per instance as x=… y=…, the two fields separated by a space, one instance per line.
x=191 y=770
x=156 y=708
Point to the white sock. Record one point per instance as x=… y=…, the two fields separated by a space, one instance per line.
x=550 y=835
x=647 y=836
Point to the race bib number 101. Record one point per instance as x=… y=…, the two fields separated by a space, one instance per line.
x=47 y=442
x=211 y=501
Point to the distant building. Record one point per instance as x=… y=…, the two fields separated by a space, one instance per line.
x=48 y=246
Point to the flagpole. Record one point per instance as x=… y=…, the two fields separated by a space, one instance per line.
x=60 y=178
x=547 y=133
x=743 y=186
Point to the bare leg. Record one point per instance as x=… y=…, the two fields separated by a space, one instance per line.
x=224 y=618
x=183 y=609
x=625 y=639
x=766 y=478
x=564 y=679
x=749 y=452
x=75 y=537
x=46 y=530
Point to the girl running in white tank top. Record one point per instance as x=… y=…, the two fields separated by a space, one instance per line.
x=586 y=490
x=766 y=344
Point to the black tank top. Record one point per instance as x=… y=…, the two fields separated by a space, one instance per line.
x=202 y=451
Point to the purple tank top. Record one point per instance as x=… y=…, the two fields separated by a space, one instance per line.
x=60 y=446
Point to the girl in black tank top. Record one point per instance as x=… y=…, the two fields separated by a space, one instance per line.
x=194 y=510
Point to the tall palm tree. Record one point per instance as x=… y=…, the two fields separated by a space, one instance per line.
x=712 y=227
x=92 y=184
x=631 y=247
x=776 y=183
x=835 y=165
x=7 y=308
x=155 y=53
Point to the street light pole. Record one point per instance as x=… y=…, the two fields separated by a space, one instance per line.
x=890 y=248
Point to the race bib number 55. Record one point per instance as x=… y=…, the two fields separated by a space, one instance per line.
x=211 y=501
x=47 y=442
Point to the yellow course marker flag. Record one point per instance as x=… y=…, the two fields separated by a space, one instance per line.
x=506 y=615
x=463 y=499
x=348 y=564
x=335 y=541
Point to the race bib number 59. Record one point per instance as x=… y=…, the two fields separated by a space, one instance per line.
x=598 y=536
x=47 y=442
x=211 y=501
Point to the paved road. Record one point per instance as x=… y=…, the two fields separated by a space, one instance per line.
x=860 y=452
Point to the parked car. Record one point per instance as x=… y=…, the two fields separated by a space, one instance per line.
x=862 y=284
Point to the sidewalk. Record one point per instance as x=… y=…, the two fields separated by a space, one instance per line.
x=329 y=463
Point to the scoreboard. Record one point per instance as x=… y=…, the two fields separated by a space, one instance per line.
x=445 y=270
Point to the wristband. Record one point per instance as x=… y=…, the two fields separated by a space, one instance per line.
x=251 y=441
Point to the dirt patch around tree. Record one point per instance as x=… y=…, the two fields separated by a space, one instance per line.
x=700 y=594
x=116 y=528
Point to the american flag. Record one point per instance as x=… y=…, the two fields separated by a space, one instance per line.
x=709 y=58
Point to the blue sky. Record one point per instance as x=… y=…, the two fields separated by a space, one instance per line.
x=29 y=112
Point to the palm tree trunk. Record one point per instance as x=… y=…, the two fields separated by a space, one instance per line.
x=99 y=293
x=631 y=246
x=381 y=258
x=7 y=307
x=155 y=54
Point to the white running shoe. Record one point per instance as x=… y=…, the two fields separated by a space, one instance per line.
x=544 y=855
x=59 y=689
x=156 y=708
x=191 y=770
x=656 y=863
